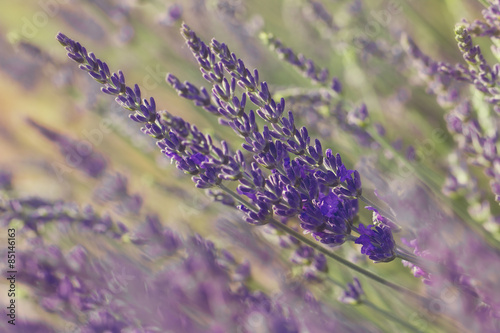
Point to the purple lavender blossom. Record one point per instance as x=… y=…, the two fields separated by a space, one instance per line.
x=179 y=140
x=295 y=187
x=330 y=219
x=377 y=242
x=483 y=76
x=462 y=121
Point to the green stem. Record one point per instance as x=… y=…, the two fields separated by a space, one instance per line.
x=315 y=245
x=484 y=3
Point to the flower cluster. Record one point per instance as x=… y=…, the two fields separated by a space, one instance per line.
x=314 y=186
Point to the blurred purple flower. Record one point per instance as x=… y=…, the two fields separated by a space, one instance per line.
x=353 y=293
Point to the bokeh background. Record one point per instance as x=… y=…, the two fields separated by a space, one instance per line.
x=360 y=44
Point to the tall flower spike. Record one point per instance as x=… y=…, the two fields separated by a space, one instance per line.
x=179 y=140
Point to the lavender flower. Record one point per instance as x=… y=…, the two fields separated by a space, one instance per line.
x=377 y=242
x=461 y=121
x=483 y=76
x=177 y=139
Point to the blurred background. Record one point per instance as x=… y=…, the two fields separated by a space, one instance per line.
x=48 y=104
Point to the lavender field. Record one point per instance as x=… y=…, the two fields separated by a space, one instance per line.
x=250 y=166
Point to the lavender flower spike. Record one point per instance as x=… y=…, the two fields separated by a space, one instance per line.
x=192 y=150
x=301 y=187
